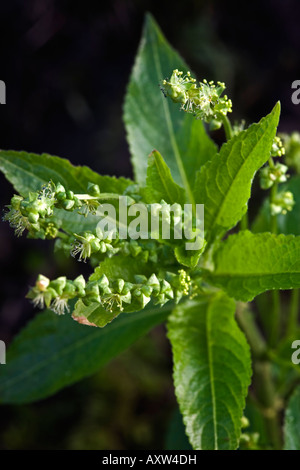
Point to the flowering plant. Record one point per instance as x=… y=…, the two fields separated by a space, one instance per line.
x=203 y=288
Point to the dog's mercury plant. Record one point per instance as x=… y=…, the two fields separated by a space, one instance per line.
x=228 y=325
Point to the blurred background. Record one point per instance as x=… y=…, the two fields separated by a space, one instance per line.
x=66 y=66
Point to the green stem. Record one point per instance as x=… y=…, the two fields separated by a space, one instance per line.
x=246 y=321
x=274 y=331
x=266 y=395
x=244 y=222
x=227 y=127
x=292 y=322
x=272 y=199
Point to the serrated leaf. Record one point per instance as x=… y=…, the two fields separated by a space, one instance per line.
x=52 y=352
x=223 y=184
x=153 y=122
x=292 y=422
x=160 y=184
x=187 y=258
x=28 y=172
x=212 y=371
x=248 y=264
x=93 y=313
x=287 y=223
x=121 y=267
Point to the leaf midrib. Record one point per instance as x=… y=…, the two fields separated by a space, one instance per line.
x=72 y=347
x=160 y=172
x=171 y=129
x=211 y=376
x=220 y=207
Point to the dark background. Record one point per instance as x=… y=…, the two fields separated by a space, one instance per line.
x=66 y=66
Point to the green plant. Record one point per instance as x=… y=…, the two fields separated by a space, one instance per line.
x=203 y=294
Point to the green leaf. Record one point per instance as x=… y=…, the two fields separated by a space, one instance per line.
x=248 y=264
x=121 y=267
x=176 y=438
x=52 y=352
x=28 y=172
x=160 y=184
x=188 y=258
x=154 y=122
x=288 y=223
x=223 y=185
x=212 y=371
x=94 y=313
x=292 y=422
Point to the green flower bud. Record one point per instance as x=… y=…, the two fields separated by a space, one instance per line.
x=140 y=278
x=102 y=247
x=103 y=282
x=69 y=290
x=119 y=285
x=79 y=284
x=60 y=188
x=93 y=189
x=59 y=284
x=273 y=174
x=16 y=201
x=70 y=195
x=51 y=231
x=277 y=149
x=33 y=217
x=282 y=203
x=42 y=282
x=127 y=288
x=92 y=292
x=68 y=204
x=146 y=290
x=134 y=248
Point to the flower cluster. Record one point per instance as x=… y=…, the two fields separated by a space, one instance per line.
x=282 y=203
x=56 y=294
x=292 y=150
x=273 y=174
x=204 y=101
x=116 y=295
x=33 y=213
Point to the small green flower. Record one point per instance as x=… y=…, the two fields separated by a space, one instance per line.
x=283 y=203
x=273 y=174
x=277 y=149
x=60 y=305
x=204 y=101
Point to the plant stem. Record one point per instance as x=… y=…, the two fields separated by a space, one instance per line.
x=244 y=222
x=292 y=322
x=247 y=323
x=274 y=332
x=275 y=310
x=227 y=127
x=265 y=392
x=264 y=387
